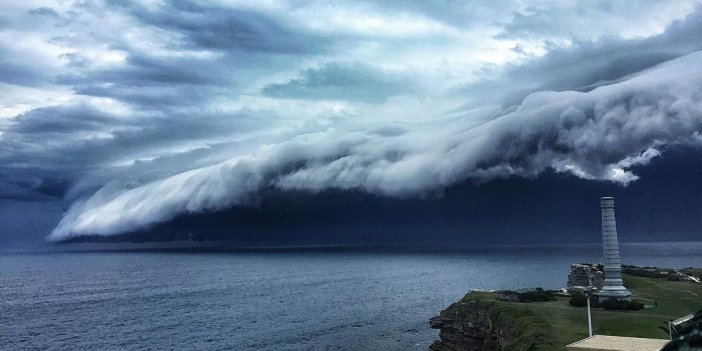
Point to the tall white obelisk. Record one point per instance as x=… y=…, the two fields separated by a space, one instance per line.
x=613 y=285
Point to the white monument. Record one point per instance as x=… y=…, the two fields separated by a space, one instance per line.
x=613 y=285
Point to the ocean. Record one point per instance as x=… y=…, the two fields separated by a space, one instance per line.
x=274 y=299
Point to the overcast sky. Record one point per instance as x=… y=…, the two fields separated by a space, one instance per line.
x=129 y=114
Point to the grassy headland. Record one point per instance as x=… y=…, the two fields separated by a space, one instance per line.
x=552 y=325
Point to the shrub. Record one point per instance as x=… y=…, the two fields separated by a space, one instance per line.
x=635 y=305
x=673 y=278
x=621 y=305
x=537 y=295
x=579 y=300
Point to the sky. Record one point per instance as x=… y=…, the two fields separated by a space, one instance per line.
x=302 y=121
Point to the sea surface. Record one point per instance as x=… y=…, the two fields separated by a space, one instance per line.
x=299 y=299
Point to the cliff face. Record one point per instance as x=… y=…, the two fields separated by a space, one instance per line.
x=481 y=323
x=464 y=326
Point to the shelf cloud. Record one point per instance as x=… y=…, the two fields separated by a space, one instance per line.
x=164 y=110
x=594 y=135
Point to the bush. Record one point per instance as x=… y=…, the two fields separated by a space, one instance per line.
x=621 y=305
x=673 y=278
x=537 y=295
x=635 y=305
x=579 y=300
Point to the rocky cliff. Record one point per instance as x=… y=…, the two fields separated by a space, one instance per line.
x=480 y=323
x=464 y=327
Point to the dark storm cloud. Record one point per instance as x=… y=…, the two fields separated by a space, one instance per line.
x=600 y=134
x=144 y=71
x=551 y=208
x=149 y=99
x=52 y=150
x=225 y=29
x=16 y=68
x=147 y=112
x=42 y=137
x=53 y=146
x=13 y=73
x=223 y=49
x=210 y=50
x=342 y=81
x=610 y=59
x=60 y=120
x=157 y=82
x=44 y=11
x=58 y=137
x=25 y=182
x=587 y=65
x=20 y=192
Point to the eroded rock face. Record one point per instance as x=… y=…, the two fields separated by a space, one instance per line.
x=579 y=274
x=481 y=322
x=464 y=326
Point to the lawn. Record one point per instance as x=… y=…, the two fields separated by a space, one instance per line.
x=568 y=324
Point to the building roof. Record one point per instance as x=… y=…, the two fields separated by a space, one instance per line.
x=617 y=343
x=682 y=319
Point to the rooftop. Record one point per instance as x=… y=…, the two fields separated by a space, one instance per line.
x=617 y=343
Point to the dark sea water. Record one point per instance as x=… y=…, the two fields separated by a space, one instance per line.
x=322 y=299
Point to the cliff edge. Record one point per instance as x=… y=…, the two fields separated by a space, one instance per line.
x=480 y=322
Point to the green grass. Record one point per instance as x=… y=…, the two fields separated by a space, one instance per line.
x=563 y=324
x=524 y=328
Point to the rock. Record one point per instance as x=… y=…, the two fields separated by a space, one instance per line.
x=507 y=295
x=487 y=324
x=686 y=274
x=464 y=326
x=579 y=273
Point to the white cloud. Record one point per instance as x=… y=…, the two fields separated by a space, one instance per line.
x=17 y=100
x=594 y=135
x=162 y=107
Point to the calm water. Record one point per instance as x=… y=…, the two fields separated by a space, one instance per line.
x=319 y=300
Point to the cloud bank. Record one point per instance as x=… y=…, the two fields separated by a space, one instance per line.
x=593 y=135
x=161 y=110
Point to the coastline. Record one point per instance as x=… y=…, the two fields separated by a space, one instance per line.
x=486 y=321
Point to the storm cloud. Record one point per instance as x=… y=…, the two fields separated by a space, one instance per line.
x=137 y=113
x=342 y=81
